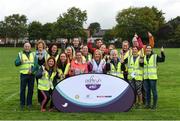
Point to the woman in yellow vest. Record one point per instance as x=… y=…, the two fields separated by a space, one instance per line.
x=63 y=67
x=86 y=55
x=46 y=76
x=150 y=75
x=53 y=51
x=135 y=74
x=25 y=61
x=115 y=67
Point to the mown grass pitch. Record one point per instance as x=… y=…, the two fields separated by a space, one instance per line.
x=168 y=90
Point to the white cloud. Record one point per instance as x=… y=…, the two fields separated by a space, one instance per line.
x=102 y=11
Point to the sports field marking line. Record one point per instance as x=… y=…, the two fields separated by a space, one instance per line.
x=11 y=96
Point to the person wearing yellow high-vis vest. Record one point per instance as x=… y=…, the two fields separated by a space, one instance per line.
x=52 y=51
x=25 y=61
x=125 y=53
x=45 y=77
x=135 y=74
x=115 y=67
x=86 y=55
x=150 y=76
x=63 y=67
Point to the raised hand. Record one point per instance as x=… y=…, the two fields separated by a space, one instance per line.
x=162 y=49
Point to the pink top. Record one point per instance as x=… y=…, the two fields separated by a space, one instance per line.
x=79 y=68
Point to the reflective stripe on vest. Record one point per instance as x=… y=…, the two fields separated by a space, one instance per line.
x=134 y=69
x=27 y=63
x=46 y=82
x=116 y=72
x=47 y=56
x=61 y=74
x=150 y=68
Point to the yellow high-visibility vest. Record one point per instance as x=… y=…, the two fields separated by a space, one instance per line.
x=116 y=72
x=27 y=63
x=61 y=74
x=46 y=82
x=150 y=68
x=47 y=56
x=134 y=69
x=89 y=58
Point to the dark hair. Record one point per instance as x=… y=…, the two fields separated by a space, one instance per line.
x=59 y=63
x=78 y=51
x=50 y=47
x=135 y=47
x=98 y=40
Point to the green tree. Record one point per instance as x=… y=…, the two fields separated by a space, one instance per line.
x=70 y=24
x=139 y=20
x=35 y=30
x=94 y=27
x=177 y=34
x=109 y=35
x=3 y=32
x=16 y=27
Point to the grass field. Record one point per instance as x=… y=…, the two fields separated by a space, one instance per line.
x=168 y=88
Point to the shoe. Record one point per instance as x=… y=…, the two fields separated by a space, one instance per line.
x=147 y=106
x=29 y=107
x=43 y=110
x=52 y=110
x=153 y=107
x=22 y=107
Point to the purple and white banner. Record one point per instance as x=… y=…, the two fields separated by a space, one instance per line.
x=93 y=93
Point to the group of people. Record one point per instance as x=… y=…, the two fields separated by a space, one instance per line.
x=136 y=65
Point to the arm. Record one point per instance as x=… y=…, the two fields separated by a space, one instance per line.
x=123 y=68
x=161 y=58
x=90 y=47
x=18 y=61
x=39 y=73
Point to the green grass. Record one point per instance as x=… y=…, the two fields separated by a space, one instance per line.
x=168 y=90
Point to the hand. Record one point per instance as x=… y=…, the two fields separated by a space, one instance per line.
x=162 y=49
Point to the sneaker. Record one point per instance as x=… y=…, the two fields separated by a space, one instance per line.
x=153 y=107
x=43 y=110
x=29 y=107
x=147 y=106
x=22 y=107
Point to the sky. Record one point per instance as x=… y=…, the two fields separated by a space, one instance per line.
x=102 y=11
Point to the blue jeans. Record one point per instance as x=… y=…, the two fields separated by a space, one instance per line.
x=150 y=85
x=26 y=80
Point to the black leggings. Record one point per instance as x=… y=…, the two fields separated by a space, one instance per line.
x=46 y=96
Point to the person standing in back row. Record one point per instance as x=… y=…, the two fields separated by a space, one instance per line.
x=25 y=60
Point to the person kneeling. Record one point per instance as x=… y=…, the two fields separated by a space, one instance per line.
x=46 y=76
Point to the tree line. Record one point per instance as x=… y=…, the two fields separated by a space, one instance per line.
x=68 y=25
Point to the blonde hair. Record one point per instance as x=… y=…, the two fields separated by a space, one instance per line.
x=99 y=51
x=39 y=42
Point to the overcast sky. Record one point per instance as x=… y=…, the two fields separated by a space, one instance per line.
x=102 y=11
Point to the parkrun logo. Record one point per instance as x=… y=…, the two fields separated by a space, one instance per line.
x=93 y=83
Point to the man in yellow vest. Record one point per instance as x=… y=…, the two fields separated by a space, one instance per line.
x=25 y=60
x=150 y=75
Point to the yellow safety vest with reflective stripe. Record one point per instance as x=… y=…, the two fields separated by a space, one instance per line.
x=116 y=72
x=46 y=82
x=61 y=74
x=126 y=55
x=89 y=58
x=47 y=56
x=27 y=63
x=150 y=68
x=134 y=69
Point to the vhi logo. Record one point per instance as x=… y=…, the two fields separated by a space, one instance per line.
x=93 y=83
